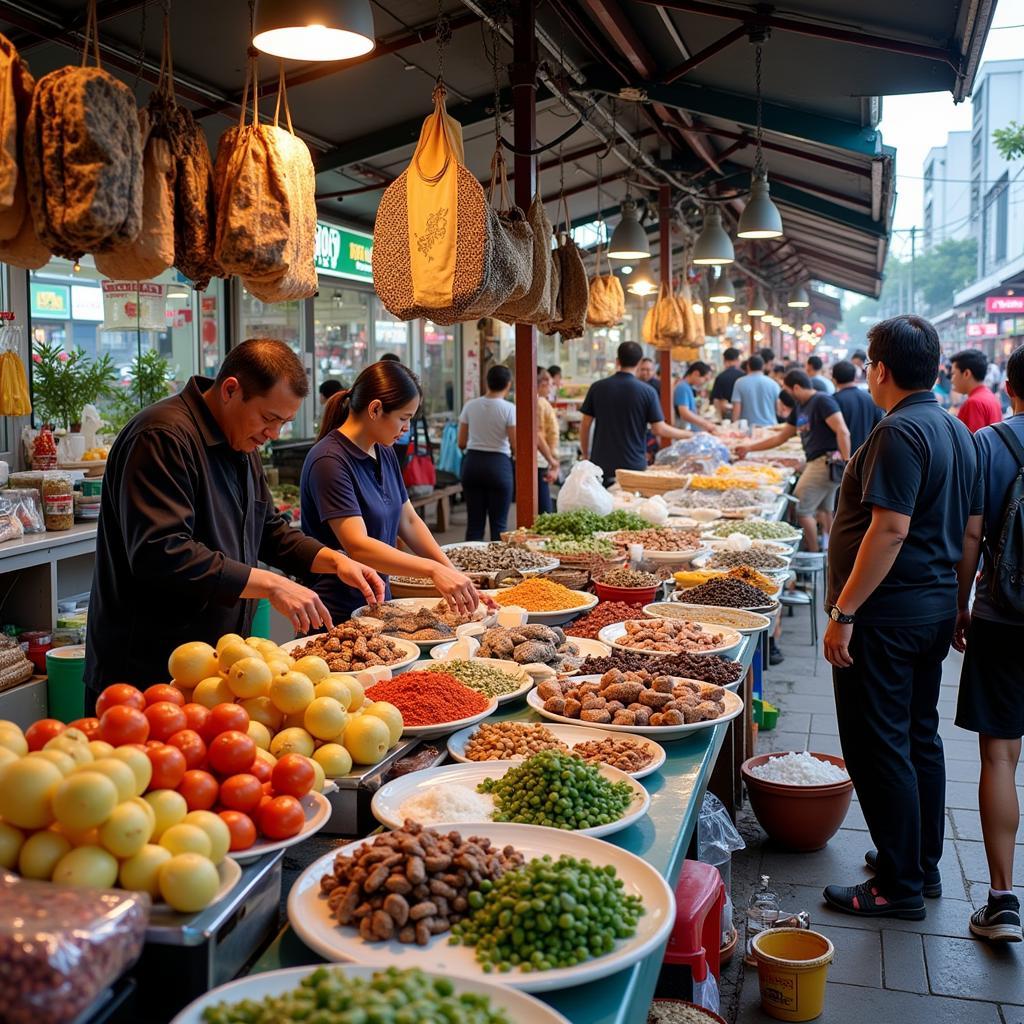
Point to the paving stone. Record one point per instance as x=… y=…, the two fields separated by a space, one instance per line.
x=967 y=825
x=826 y=725
x=975 y=865
x=962 y=795
x=1012 y=1014
x=794 y=721
x=966 y=968
x=815 y=705
x=775 y=741
x=950 y=731
x=979 y=893
x=963 y=750
x=963 y=771
x=903 y=961
x=855 y=818
x=824 y=744
x=842 y=858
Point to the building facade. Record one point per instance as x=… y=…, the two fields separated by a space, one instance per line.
x=947 y=190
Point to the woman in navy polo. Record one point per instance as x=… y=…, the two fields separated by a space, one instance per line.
x=353 y=496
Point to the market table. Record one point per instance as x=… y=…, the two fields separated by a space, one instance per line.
x=662 y=839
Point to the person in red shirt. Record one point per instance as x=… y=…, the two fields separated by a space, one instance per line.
x=981 y=408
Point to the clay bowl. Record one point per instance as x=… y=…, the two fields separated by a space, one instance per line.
x=800 y=818
x=627 y=595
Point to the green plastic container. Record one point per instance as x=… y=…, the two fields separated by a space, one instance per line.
x=765 y=715
x=65 y=682
x=261 y=620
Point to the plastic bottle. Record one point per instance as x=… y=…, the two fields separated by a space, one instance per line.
x=763 y=911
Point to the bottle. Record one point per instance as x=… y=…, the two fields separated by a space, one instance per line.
x=762 y=912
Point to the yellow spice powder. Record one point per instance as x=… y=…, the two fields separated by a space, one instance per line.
x=538 y=595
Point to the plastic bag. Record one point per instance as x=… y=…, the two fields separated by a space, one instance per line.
x=60 y=947
x=706 y=994
x=28 y=507
x=702 y=450
x=717 y=838
x=450 y=458
x=584 y=489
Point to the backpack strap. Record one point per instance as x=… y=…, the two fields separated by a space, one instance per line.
x=1007 y=435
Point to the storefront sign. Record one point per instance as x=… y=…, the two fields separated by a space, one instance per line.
x=51 y=301
x=86 y=302
x=982 y=330
x=1004 y=304
x=341 y=252
x=134 y=305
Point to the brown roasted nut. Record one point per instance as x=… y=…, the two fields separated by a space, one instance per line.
x=382 y=925
x=643 y=716
x=556 y=705
x=398 y=908
x=672 y=718
x=599 y=715
x=421 y=910
x=654 y=699
x=663 y=684
x=593 y=703
x=572 y=708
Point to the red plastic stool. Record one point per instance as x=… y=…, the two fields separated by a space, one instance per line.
x=697 y=936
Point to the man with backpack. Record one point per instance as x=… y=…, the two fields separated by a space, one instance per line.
x=991 y=700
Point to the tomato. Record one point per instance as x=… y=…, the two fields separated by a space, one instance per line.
x=243 y=831
x=281 y=818
x=119 y=693
x=261 y=768
x=169 y=766
x=163 y=691
x=241 y=793
x=191 y=744
x=149 y=744
x=90 y=726
x=199 y=790
x=165 y=719
x=38 y=734
x=197 y=715
x=293 y=775
x=224 y=717
x=122 y=724
x=231 y=752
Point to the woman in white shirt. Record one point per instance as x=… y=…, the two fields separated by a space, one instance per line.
x=487 y=435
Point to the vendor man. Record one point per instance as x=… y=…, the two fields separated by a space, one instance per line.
x=187 y=515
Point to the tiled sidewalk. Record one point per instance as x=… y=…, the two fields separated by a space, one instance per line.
x=929 y=971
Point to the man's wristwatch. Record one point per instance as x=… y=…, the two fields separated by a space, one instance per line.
x=838 y=616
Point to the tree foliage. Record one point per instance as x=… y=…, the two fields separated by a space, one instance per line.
x=1010 y=141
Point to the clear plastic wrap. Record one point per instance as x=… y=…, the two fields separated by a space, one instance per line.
x=28 y=507
x=60 y=948
x=701 y=453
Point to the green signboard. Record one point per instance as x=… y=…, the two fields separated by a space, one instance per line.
x=341 y=252
x=51 y=301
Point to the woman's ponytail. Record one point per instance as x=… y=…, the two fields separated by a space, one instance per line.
x=335 y=412
x=387 y=381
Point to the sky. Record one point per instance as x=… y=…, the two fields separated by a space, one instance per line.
x=913 y=124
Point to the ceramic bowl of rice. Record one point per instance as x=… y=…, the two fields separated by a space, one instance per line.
x=799 y=797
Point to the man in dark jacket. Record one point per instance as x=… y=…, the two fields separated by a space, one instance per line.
x=187 y=515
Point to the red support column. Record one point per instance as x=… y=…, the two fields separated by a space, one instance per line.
x=524 y=109
x=665 y=268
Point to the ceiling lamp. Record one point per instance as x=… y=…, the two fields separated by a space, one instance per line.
x=759 y=306
x=311 y=30
x=641 y=283
x=760 y=217
x=629 y=240
x=698 y=309
x=714 y=247
x=722 y=290
x=798 y=298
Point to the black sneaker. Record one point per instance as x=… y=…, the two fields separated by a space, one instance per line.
x=998 y=920
x=932 y=880
x=866 y=900
x=775 y=656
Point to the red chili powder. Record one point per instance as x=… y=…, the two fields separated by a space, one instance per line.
x=429 y=698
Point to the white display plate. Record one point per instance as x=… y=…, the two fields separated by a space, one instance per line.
x=518 y=1006
x=569 y=735
x=775 y=546
x=414 y=604
x=309 y=915
x=612 y=635
x=388 y=800
x=666 y=610
x=318 y=810
x=563 y=615
x=412 y=651
x=526 y=680
x=662 y=733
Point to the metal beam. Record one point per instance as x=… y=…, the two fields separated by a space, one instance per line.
x=709 y=51
x=790 y=196
x=806 y=186
x=783 y=120
x=25 y=41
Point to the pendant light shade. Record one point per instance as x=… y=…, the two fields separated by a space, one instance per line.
x=722 y=290
x=629 y=240
x=759 y=306
x=641 y=283
x=714 y=247
x=760 y=217
x=311 y=30
x=798 y=298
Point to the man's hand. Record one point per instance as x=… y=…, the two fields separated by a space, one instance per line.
x=741 y=453
x=456 y=588
x=963 y=624
x=837 y=644
x=301 y=606
x=362 y=578
x=552 y=475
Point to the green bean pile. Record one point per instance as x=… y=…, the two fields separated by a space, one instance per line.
x=560 y=545
x=548 y=914
x=557 y=790
x=391 y=996
x=581 y=523
x=757 y=529
x=485 y=679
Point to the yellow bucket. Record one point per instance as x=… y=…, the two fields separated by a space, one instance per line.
x=792 y=967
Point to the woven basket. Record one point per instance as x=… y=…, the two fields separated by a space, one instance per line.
x=15 y=668
x=649 y=484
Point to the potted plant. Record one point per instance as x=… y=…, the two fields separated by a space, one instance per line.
x=150 y=381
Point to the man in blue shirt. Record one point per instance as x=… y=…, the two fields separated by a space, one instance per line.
x=754 y=395
x=619 y=409
x=859 y=411
x=818 y=380
x=684 y=397
x=898 y=537
x=991 y=697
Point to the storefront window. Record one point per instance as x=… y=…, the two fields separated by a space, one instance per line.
x=390 y=335
x=438 y=367
x=341 y=332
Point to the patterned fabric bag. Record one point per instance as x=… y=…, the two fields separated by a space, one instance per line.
x=573 y=291
x=534 y=306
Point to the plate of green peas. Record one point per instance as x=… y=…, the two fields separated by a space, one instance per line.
x=379 y=992
x=578 y=909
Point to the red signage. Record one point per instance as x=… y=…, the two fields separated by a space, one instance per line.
x=982 y=331
x=1004 y=304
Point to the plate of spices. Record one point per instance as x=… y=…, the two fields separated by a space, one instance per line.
x=433 y=703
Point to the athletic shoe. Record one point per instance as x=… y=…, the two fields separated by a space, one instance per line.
x=932 y=879
x=866 y=900
x=998 y=920
x=775 y=656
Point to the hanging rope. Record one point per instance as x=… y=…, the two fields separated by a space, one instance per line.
x=442 y=38
x=759 y=167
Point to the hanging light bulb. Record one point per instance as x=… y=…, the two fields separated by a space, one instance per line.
x=641 y=283
x=759 y=306
x=724 y=309
x=698 y=309
x=760 y=217
x=312 y=30
x=713 y=247
x=798 y=298
x=722 y=290
x=629 y=240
